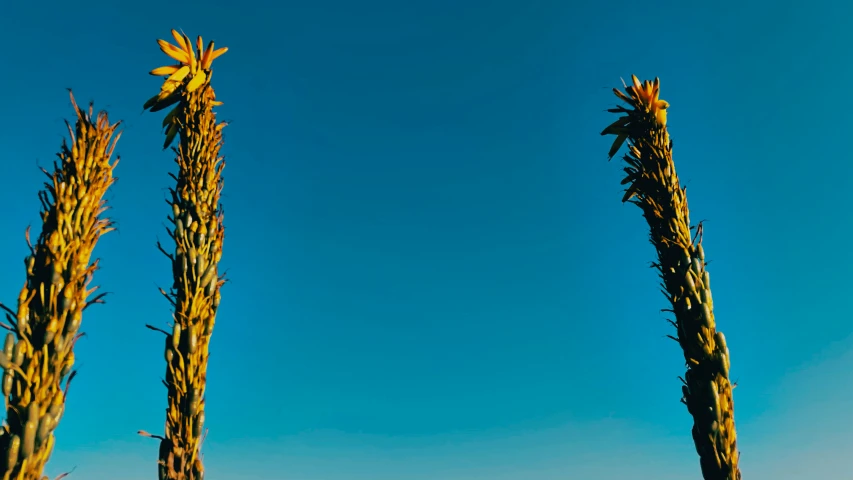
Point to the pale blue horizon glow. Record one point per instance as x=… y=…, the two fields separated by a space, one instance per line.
x=431 y=274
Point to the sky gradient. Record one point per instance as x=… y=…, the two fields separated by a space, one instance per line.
x=431 y=273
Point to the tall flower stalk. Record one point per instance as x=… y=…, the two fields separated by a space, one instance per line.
x=654 y=187
x=38 y=353
x=198 y=234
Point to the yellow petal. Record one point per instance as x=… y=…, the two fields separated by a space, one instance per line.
x=166 y=70
x=197 y=81
x=187 y=42
x=205 y=64
x=180 y=74
x=180 y=39
x=164 y=94
x=173 y=51
x=637 y=84
x=169 y=86
x=193 y=60
x=660 y=117
x=213 y=56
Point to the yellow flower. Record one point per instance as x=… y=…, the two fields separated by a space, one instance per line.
x=191 y=72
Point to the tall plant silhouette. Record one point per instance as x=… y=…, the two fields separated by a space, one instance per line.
x=654 y=187
x=198 y=234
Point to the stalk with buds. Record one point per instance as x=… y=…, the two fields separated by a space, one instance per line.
x=654 y=187
x=38 y=353
x=198 y=234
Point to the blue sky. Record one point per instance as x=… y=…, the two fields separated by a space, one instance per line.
x=432 y=276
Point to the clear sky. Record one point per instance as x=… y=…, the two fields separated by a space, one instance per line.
x=432 y=275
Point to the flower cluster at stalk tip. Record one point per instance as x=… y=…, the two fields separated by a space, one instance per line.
x=189 y=75
x=644 y=98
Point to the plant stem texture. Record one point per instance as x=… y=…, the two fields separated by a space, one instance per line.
x=198 y=235
x=38 y=352
x=653 y=186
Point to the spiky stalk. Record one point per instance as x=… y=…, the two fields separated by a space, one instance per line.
x=653 y=186
x=198 y=234
x=39 y=350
